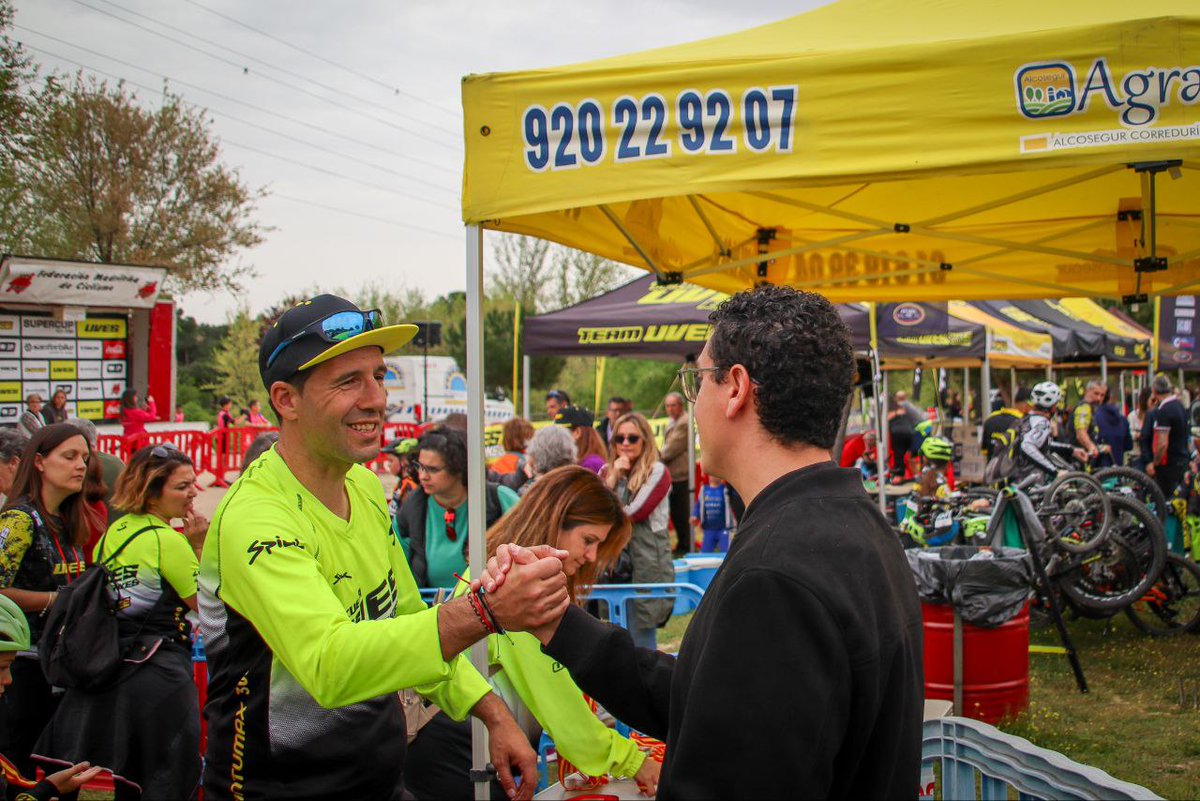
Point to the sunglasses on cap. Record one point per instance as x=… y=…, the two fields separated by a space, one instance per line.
x=333 y=329
x=631 y=439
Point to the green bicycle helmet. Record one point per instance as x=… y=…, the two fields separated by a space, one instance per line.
x=400 y=447
x=924 y=428
x=937 y=449
x=14 y=628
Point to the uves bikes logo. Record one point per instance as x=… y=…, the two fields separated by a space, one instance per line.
x=908 y=314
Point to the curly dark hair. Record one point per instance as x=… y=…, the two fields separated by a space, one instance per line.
x=451 y=445
x=797 y=351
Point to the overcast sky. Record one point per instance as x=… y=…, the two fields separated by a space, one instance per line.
x=363 y=164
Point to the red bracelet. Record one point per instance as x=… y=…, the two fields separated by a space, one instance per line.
x=473 y=599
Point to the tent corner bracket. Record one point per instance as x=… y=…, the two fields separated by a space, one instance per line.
x=670 y=279
x=946 y=267
x=1129 y=300
x=902 y=228
x=1150 y=264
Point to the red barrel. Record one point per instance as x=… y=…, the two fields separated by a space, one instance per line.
x=995 y=664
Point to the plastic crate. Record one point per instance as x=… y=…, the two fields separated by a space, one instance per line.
x=967 y=759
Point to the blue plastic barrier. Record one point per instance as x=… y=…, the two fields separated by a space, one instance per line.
x=617 y=596
x=683 y=575
x=703 y=567
x=967 y=759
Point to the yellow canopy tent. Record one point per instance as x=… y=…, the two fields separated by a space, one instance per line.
x=880 y=150
x=873 y=150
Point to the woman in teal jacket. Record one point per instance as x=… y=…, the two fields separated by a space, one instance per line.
x=571 y=509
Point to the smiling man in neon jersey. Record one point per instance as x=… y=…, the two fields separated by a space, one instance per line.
x=311 y=617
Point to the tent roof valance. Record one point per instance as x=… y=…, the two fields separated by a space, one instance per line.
x=884 y=150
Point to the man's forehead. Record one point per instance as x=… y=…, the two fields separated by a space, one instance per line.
x=367 y=359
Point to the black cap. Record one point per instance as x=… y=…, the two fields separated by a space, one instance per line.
x=309 y=351
x=574 y=417
x=558 y=394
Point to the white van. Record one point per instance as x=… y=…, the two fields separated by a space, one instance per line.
x=407 y=377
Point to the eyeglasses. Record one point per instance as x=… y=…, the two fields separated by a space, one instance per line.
x=334 y=328
x=428 y=470
x=689 y=380
x=165 y=451
x=622 y=439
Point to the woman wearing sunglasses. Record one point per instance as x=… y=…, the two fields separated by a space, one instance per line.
x=146 y=725
x=433 y=517
x=568 y=508
x=43 y=529
x=643 y=484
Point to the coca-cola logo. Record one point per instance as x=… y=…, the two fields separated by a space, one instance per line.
x=112 y=409
x=114 y=349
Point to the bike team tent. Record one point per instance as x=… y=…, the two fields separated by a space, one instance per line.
x=644 y=320
x=1083 y=331
x=873 y=150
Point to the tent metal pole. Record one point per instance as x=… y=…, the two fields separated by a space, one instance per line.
x=985 y=385
x=722 y=249
x=525 y=386
x=691 y=457
x=966 y=396
x=879 y=381
x=1012 y=385
x=1154 y=343
x=1104 y=370
x=1122 y=391
x=620 y=226
x=476 y=474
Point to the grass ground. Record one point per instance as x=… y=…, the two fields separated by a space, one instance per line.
x=1131 y=723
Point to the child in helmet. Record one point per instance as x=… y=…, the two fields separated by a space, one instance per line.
x=1034 y=434
x=936 y=454
x=14 y=638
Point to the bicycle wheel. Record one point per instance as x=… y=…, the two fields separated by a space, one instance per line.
x=1124 y=566
x=1172 y=606
x=1129 y=482
x=1076 y=512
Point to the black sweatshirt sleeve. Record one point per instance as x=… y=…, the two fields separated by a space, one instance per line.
x=797 y=686
x=42 y=791
x=632 y=683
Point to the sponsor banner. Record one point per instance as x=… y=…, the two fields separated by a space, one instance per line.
x=113 y=370
x=100 y=328
x=10 y=348
x=113 y=389
x=912 y=319
x=47 y=349
x=10 y=412
x=89 y=371
x=63 y=371
x=46 y=327
x=114 y=349
x=89 y=349
x=10 y=392
x=112 y=409
x=90 y=390
x=91 y=410
x=65 y=387
x=41 y=388
x=35 y=370
x=10 y=325
x=73 y=284
x=10 y=370
x=1177 y=334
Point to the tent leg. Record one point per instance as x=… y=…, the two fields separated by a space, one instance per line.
x=985 y=393
x=1104 y=370
x=881 y=443
x=691 y=457
x=1012 y=385
x=525 y=387
x=1124 y=406
x=476 y=472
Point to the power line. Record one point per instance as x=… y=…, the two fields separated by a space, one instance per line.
x=319 y=57
x=265 y=63
x=269 y=130
x=324 y=171
x=370 y=217
x=198 y=88
x=246 y=71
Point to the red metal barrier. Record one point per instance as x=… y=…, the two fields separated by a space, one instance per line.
x=229 y=446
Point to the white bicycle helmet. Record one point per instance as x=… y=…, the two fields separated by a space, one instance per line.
x=1045 y=395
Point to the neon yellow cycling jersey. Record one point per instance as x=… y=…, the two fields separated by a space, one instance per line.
x=312 y=624
x=525 y=677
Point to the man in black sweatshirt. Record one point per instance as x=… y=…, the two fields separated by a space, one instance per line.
x=801 y=674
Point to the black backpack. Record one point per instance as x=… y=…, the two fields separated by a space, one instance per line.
x=80 y=645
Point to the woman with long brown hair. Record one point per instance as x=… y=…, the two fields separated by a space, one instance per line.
x=145 y=725
x=43 y=529
x=571 y=509
x=643 y=485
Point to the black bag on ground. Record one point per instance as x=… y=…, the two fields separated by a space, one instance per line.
x=80 y=645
